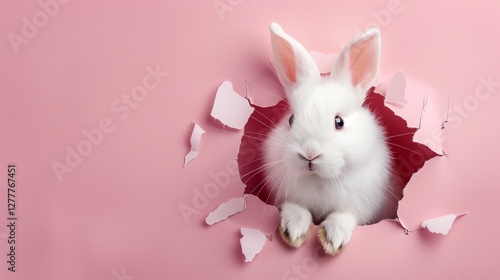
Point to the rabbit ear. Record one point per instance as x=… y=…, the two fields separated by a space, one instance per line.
x=359 y=61
x=293 y=63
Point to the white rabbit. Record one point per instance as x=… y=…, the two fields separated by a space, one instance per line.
x=327 y=161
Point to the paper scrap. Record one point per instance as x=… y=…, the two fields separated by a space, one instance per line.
x=230 y=108
x=396 y=89
x=441 y=224
x=195 y=143
x=226 y=209
x=252 y=242
x=325 y=62
x=393 y=89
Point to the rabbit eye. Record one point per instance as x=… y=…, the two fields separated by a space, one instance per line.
x=339 y=123
x=290 y=120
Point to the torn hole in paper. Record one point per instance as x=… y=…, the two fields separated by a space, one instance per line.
x=408 y=156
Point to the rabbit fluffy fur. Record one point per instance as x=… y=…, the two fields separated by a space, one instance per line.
x=328 y=163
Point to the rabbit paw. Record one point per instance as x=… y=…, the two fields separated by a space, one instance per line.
x=296 y=224
x=336 y=231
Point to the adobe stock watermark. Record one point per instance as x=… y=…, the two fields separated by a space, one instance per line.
x=122 y=275
x=482 y=92
x=224 y=6
x=31 y=26
x=458 y=112
x=121 y=108
x=202 y=196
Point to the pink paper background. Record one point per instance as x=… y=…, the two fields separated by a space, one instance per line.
x=116 y=215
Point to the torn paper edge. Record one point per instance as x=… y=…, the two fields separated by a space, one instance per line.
x=254 y=100
x=195 y=143
x=441 y=224
x=252 y=242
x=419 y=136
x=230 y=108
x=225 y=210
x=394 y=90
x=394 y=96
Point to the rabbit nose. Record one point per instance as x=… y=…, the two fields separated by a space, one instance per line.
x=310 y=150
x=309 y=157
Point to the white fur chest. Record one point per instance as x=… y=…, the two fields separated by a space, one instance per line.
x=357 y=194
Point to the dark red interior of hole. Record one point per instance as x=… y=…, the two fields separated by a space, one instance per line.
x=408 y=156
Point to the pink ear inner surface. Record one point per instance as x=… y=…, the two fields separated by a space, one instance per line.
x=363 y=60
x=286 y=58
